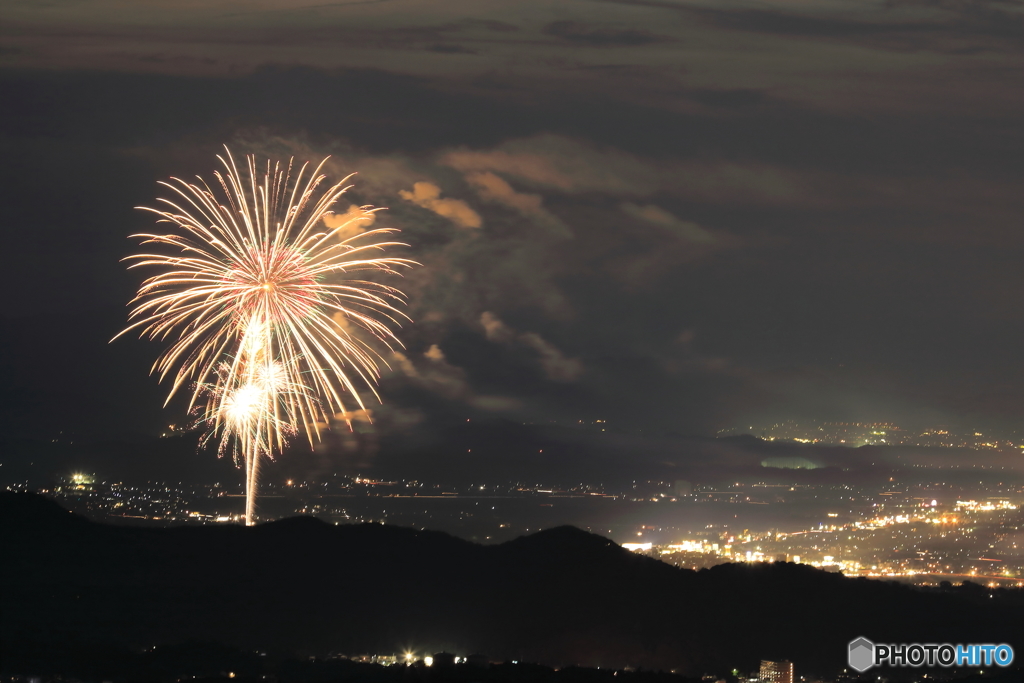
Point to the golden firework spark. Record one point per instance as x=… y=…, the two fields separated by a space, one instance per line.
x=269 y=329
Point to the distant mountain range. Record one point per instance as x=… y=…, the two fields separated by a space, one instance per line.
x=495 y=451
x=76 y=589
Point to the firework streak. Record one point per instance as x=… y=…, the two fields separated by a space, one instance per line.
x=269 y=331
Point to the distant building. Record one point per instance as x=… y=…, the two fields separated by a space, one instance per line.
x=776 y=672
x=683 y=487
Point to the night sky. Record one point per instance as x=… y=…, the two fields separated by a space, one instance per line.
x=673 y=215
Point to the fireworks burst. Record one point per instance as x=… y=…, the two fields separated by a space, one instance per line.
x=270 y=334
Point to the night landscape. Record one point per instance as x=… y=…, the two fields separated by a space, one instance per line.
x=607 y=340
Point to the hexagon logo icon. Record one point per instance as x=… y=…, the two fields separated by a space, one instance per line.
x=861 y=654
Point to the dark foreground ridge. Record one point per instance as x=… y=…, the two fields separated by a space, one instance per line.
x=75 y=589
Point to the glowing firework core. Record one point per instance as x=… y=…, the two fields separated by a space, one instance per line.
x=255 y=299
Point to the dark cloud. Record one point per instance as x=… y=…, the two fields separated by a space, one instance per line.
x=962 y=27
x=740 y=97
x=955 y=35
x=489 y=24
x=449 y=49
x=603 y=36
x=794 y=24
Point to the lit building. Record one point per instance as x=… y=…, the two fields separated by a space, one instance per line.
x=776 y=672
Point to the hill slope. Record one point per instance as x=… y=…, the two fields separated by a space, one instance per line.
x=560 y=596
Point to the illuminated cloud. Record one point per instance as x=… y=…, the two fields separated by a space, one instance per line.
x=434 y=353
x=342 y=321
x=494 y=188
x=573 y=167
x=556 y=365
x=428 y=196
x=351 y=223
x=440 y=377
x=436 y=376
x=686 y=230
x=406 y=366
x=559 y=163
x=494 y=329
x=687 y=241
x=350 y=416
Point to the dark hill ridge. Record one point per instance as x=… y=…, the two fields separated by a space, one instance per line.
x=560 y=596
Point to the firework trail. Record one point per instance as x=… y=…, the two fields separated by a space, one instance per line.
x=257 y=299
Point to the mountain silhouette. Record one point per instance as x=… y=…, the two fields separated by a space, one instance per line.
x=561 y=596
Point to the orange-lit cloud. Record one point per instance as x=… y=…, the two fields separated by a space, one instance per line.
x=494 y=188
x=428 y=195
x=574 y=167
x=351 y=223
